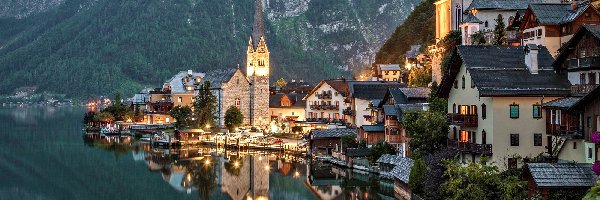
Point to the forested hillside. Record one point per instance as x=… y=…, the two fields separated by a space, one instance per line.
x=418 y=28
x=95 y=47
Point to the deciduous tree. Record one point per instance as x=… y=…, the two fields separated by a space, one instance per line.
x=182 y=115
x=428 y=132
x=233 y=118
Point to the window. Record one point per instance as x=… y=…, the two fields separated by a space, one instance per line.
x=238 y=103
x=464 y=136
x=589 y=153
x=514 y=111
x=555 y=117
x=592 y=78
x=395 y=79
x=539 y=33
x=463 y=82
x=292 y=113
x=387 y=72
x=179 y=99
x=473 y=110
x=485 y=24
x=483 y=137
x=512 y=163
x=537 y=111
x=463 y=110
x=453 y=108
x=395 y=72
x=574 y=145
x=483 y=111
x=537 y=139
x=582 y=78
x=472 y=84
x=514 y=139
x=455 y=84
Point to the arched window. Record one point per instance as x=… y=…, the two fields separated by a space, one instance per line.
x=238 y=103
x=453 y=108
x=483 y=111
x=485 y=24
x=463 y=82
x=483 y=137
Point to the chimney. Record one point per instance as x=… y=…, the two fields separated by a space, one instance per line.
x=531 y=58
x=293 y=80
x=190 y=72
x=574 y=5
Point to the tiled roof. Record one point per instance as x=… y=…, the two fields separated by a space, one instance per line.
x=501 y=71
x=562 y=102
x=340 y=85
x=177 y=83
x=390 y=110
x=358 y=152
x=402 y=169
x=398 y=95
x=568 y=48
x=557 y=13
x=373 y=128
x=589 y=97
x=501 y=4
x=217 y=77
x=333 y=133
x=383 y=67
x=295 y=98
x=389 y=159
x=562 y=174
x=416 y=93
x=371 y=89
x=471 y=19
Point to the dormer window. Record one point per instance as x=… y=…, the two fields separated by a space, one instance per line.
x=463 y=82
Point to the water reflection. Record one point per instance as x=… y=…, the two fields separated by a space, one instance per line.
x=206 y=171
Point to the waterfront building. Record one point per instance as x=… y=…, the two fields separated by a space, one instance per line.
x=326 y=141
x=414 y=58
x=495 y=96
x=552 y=25
x=158 y=106
x=546 y=178
x=325 y=103
x=287 y=108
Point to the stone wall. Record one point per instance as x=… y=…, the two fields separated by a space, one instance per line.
x=236 y=88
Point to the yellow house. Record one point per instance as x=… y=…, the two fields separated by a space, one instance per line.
x=495 y=96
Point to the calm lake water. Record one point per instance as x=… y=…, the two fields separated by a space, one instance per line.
x=44 y=155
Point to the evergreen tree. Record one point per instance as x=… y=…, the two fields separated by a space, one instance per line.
x=428 y=131
x=500 y=31
x=233 y=118
x=205 y=106
x=182 y=115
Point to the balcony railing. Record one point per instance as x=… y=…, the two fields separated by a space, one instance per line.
x=582 y=89
x=583 y=62
x=392 y=123
x=324 y=107
x=348 y=111
x=324 y=95
x=394 y=139
x=466 y=147
x=462 y=120
x=564 y=130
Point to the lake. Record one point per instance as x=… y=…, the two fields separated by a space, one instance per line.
x=45 y=155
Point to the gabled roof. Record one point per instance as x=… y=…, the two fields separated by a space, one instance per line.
x=295 y=98
x=501 y=71
x=387 y=67
x=390 y=159
x=402 y=169
x=373 y=128
x=415 y=92
x=220 y=76
x=569 y=47
x=333 y=133
x=501 y=4
x=566 y=102
x=472 y=19
x=177 y=83
x=556 y=13
x=371 y=89
x=562 y=174
x=339 y=85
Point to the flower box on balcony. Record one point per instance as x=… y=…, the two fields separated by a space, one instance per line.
x=595 y=137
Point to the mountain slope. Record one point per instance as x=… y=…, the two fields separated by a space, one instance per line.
x=90 y=47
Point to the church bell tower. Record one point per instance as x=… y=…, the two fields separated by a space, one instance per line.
x=258 y=70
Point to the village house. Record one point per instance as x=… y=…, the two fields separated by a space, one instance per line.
x=495 y=96
x=572 y=122
x=552 y=25
x=158 y=106
x=546 y=178
x=183 y=86
x=326 y=104
x=287 y=108
x=401 y=174
x=414 y=58
x=326 y=141
x=388 y=72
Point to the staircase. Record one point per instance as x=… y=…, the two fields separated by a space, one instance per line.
x=557 y=145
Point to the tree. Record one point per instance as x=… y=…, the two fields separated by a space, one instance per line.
x=205 y=106
x=104 y=117
x=448 y=43
x=480 y=181
x=417 y=173
x=233 y=118
x=281 y=82
x=420 y=77
x=436 y=104
x=182 y=115
x=428 y=132
x=478 y=38
x=379 y=149
x=500 y=31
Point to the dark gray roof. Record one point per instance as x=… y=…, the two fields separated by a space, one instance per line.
x=295 y=98
x=402 y=169
x=557 y=13
x=416 y=93
x=566 y=102
x=587 y=99
x=333 y=133
x=414 y=51
x=501 y=71
x=371 y=89
x=358 y=152
x=217 y=77
x=390 y=110
x=398 y=95
x=390 y=159
x=373 y=128
x=501 y=4
x=568 y=48
x=471 y=19
x=562 y=174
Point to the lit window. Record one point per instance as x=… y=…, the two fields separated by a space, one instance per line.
x=180 y=99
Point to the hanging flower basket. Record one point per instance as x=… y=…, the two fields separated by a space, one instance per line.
x=596 y=168
x=595 y=137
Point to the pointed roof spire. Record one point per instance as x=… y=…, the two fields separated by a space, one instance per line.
x=259 y=25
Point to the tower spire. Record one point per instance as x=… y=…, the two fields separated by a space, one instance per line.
x=258 y=29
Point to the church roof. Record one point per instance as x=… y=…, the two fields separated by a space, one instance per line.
x=220 y=76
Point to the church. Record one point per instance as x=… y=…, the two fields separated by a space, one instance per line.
x=249 y=90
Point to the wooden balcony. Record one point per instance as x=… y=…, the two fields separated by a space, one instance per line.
x=473 y=148
x=348 y=111
x=462 y=120
x=395 y=139
x=564 y=130
x=582 y=89
x=583 y=62
x=392 y=123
